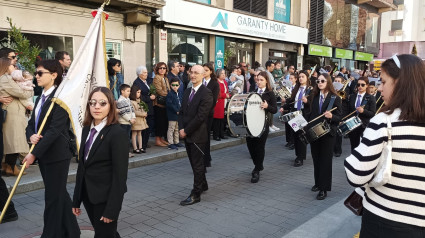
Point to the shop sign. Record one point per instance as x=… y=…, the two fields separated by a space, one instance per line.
x=191 y=14
x=363 y=56
x=163 y=35
x=282 y=10
x=219 y=52
x=377 y=65
x=320 y=50
x=344 y=54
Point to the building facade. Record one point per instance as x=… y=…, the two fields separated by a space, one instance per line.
x=231 y=31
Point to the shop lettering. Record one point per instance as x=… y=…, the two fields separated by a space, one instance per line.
x=260 y=24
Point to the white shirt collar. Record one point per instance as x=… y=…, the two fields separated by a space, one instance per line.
x=361 y=94
x=100 y=126
x=208 y=81
x=264 y=89
x=197 y=87
x=49 y=91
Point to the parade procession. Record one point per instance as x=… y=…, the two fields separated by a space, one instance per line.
x=212 y=118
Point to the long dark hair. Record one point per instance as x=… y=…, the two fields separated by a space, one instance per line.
x=159 y=65
x=266 y=76
x=111 y=63
x=298 y=84
x=133 y=92
x=409 y=87
x=112 y=115
x=4 y=65
x=211 y=68
x=329 y=86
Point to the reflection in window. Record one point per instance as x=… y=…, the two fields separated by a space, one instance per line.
x=113 y=49
x=187 y=47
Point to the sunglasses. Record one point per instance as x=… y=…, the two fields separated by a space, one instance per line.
x=13 y=57
x=101 y=102
x=320 y=81
x=162 y=68
x=40 y=73
x=175 y=85
x=361 y=84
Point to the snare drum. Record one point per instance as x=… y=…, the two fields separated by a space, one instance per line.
x=349 y=125
x=282 y=92
x=314 y=132
x=289 y=116
x=245 y=116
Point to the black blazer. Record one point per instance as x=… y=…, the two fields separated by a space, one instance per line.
x=336 y=114
x=193 y=117
x=104 y=173
x=55 y=144
x=215 y=89
x=369 y=109
x=145 y=95
x=270 y=98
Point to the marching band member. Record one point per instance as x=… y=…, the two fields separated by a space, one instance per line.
x=338 y=138
x=300 y=103
x=356 y=102
x=287 y=107
x=324 y=98
x=256 y=145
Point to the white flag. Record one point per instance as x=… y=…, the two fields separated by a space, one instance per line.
x=87 y=71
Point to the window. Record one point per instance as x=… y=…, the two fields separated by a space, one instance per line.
x=258 y=7
x=187 y=47
x=396 y=25
x=113 y=49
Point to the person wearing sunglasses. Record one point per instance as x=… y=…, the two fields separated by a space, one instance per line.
x=174 y=101
x=323 y=99
x=52 y=149
x=116 y=79
x=365 y=106
x=103 y=166
x=8 y=53
x=162 y=86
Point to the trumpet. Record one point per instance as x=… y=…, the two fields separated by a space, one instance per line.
x=341 y=93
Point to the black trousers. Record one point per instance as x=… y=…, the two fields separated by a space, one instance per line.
x=374 y=226
x=161 y=121
x=59 y=221
x=11 y=159
x=289 y=133
x=300 y=147
x=207 y=151
x=95 y=212
x=355 y=137
x=256 y=148
x=218 y=127
x=322 y=153
x=146 y=132
x=196 y=159
x=338 y=144
x=4 y=194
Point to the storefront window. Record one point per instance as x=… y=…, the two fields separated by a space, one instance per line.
x=236 y=52
x=113 y=49
x=48 y=44
x=187 y=47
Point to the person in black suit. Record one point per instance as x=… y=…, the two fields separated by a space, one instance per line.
x=210 y=81
x=373 y=90
x=324 y=98
x=52 y=149
x=103 y=166
x=143 y=84
x=193 y=123
x=256 y=145
x=365 y=105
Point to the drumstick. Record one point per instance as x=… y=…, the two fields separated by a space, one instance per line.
x=351 y=113
x=321 y=115
x=377 y=111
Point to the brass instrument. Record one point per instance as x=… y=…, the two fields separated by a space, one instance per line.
x=341 y=93
x=282 y=92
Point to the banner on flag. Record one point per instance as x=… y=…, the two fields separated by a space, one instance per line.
x=87 y=71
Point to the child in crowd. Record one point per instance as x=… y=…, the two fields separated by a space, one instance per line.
x=24 y=81
x=140 y=124
x=126 y=111
x=174 y=101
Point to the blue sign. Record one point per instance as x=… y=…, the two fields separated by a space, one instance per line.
x=223 y=20
x=282 y=10
x=204 y=1
x=219 y=52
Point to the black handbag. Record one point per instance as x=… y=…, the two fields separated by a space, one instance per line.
x=4 y=111
x=161 y=100
x=354 y=203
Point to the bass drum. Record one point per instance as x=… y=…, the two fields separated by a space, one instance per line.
x=245 y=116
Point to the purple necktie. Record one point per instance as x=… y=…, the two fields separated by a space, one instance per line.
x=89 y=142
x=205 y=82
x=261 y=91
x=320 y=103
x=43 y=100
x=300 y=96
x=191 y=95
x=358 y=101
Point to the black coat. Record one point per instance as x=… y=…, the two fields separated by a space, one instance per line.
x=104 y=173
x=145 y=95
x=55 y=144
x=215 y=89
x=369 y=109
x=193 y=117
x=314 y=112
x=271 y=101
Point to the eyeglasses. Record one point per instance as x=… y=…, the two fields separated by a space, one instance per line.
x=162 y=68
x=118 y=65
x=101 y=102
x=361 y=84
x=320 y=81
x=12 y=57
x=40 y=73
x=174 y=85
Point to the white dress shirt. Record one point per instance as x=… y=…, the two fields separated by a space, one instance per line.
x=296 y=98
x=206 y=81
x=46 y=94
x=98 y=128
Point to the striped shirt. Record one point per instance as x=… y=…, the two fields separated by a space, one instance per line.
x=402 y=199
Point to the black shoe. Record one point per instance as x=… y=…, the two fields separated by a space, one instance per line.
x=291 y=147
x=205 y=187
x=337 y=154
x=298 y=163
x=321 y=195
x=224 y=137
x=10 y=217
x=255 y=176
x=315 y=188
x=192 y=199
x=208 y=164
x=288 y=144
x=217 y=138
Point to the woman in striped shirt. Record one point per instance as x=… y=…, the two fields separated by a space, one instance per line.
x=397 y=208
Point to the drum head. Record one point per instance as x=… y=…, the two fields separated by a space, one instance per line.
x=235 y=114
x=255 y=116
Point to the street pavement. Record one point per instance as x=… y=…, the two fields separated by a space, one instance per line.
x=279 y=205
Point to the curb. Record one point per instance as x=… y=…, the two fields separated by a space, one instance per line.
x=139 y=161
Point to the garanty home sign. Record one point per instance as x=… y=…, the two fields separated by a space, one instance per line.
x=197 y=15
